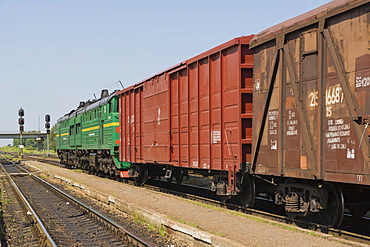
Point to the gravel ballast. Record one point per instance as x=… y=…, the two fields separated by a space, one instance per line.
x=189 y=221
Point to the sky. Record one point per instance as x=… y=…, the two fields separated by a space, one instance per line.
x=54 y=54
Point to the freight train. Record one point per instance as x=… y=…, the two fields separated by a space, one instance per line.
x=283 y=114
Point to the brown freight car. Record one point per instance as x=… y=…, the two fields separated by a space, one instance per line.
x=195 y=116
x=311 y=110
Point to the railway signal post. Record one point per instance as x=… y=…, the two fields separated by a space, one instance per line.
x=21 y=129
x=47 y=127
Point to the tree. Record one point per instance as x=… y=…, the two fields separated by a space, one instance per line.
x=32 y=143
x=29 y=143
x=52 y=139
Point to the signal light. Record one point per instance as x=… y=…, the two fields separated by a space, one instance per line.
x=47 y=124
x=21 y=121
x=47 y=118
x=21 y=112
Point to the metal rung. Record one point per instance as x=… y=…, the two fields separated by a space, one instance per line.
x=168 y=174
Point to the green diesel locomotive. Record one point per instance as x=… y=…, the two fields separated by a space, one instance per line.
x=88 y=137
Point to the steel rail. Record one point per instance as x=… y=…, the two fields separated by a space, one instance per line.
x=46 y=239
x=136 y=241
x=340 y=233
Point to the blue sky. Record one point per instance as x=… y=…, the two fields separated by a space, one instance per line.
x=54 y=54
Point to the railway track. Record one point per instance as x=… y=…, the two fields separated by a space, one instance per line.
x=61 y=220
x=353 y=229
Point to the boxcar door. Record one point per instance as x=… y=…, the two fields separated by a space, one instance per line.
x=72 y=135
x=101 y=133
x=78 y=135
x=156 y=120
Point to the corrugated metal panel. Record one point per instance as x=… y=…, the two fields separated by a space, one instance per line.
x=155 y=115
x=211 y=108
x=311 y=96
x=130 y=108
x=197 y=114
x=325 y=11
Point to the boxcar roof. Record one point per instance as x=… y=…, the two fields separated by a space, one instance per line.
x=325 y=11
x=90 y=105
x=238 y=40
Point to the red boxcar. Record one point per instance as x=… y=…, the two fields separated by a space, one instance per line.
x=195 y=115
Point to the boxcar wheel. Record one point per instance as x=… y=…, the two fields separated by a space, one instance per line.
x=332 y=216
x=179 y=175
x=248 y=191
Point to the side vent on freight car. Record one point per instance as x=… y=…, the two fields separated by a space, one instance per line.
x=104 y=93
x=362 y=120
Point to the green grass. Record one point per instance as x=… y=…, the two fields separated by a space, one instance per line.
x=7 y=200
x=187 y=223
x=26 y=151
x=218 y=234
x=74 y=180
x=161 y=229
x=284 y=226
x=196 y=226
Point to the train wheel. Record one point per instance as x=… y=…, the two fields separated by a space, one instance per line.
x=179 y=176
x=142 y=177
x=137 y=181
x=332 y=216
x=144 y=174
x=248 y=191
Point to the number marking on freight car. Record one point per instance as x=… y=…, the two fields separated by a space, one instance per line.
x=314 y=96
x=273 y=124
x=262 y=169
x=337 y=136
x=362 y=82
x=216 y=136
x=291 y=124
x=333 y=95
